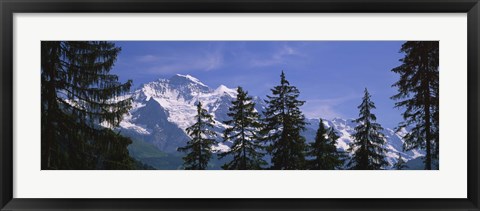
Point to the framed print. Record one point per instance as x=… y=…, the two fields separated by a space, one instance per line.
x=239 y=105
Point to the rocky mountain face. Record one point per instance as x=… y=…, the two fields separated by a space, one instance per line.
x=164 y=108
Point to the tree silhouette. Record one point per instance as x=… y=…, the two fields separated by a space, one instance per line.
x=368 y=141
x=77 y=94
x=283 y=123
x=418 y=93
x=244 y=132
x=401 y=164
x=323 y=152
x=199 y=147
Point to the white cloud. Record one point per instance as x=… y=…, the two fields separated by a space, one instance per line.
x=321 y=111
x=148 y=58
x=277 y=58
x=325 y=108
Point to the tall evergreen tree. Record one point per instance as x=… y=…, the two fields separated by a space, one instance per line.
x=323 y=151
x=202 y=139
x=244 y=132
x=401 y=164
x=418 y=94
x=368 y=141
x=78 y=93
x=283 y=123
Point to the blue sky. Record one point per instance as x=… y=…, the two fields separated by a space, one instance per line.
x=331 y=75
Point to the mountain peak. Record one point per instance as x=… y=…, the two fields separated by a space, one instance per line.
x=222 y=89
x=189 y=78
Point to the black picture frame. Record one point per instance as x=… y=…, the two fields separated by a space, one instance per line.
x=10 y=7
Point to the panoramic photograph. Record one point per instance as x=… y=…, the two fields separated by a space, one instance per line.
x=240 y=105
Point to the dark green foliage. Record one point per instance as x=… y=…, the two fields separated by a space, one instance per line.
x=147 y=153
x=202 y=139
x=78 y=93
x=418 y=94
x=401 y=164
x=142 y=166
x=368 y=141
x=323 y=151
x=283 y=123
x=244 y=132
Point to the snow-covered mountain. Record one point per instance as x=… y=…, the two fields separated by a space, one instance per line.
x=164 y=108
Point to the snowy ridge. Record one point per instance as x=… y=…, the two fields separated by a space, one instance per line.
x=191 y=78
x=130 y=126
x=222 y=89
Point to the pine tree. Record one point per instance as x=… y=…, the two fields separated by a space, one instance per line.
x=202 y=139
x=244 y=132
x=78 y=93
x=401 y=164
x=283 y=123
x=323 y=151
x=368 y=141
x=418 y=94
